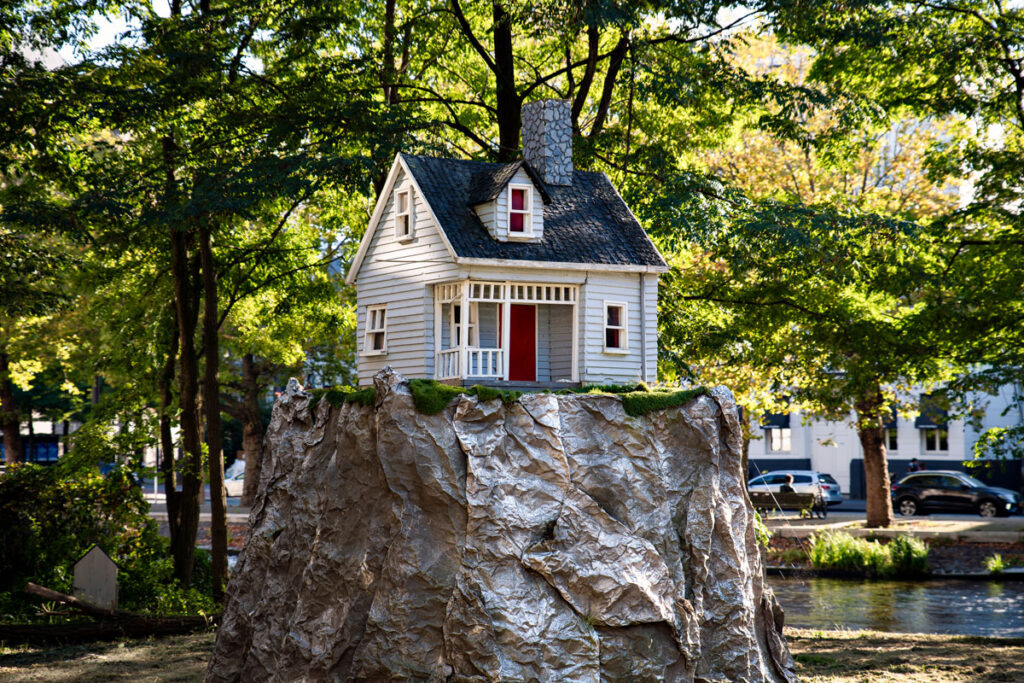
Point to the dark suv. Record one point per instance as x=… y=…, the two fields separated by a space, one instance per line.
x=951 y=491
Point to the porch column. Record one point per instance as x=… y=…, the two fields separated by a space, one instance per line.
x=464 y=333
x=506 y=313
x=437 y=331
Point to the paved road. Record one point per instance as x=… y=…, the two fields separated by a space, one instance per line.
x=236 y=513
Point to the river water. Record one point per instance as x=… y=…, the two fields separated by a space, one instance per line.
x=977 y=608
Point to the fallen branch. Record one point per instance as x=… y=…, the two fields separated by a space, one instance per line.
x=114 y=623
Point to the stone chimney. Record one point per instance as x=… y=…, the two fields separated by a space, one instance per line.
x=547 y=139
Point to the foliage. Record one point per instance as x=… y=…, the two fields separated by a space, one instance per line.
x=902 y=557
x=1000 y=442
x=994 y=564
x=49 y=518
x=761 y=531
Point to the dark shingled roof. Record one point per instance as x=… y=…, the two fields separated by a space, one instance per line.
x=586 y=222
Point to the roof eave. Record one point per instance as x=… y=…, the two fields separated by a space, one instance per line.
x=559 y=265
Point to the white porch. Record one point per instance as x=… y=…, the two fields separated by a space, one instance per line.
x=482 y=331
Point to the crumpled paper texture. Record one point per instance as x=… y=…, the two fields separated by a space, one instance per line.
x=550 y=539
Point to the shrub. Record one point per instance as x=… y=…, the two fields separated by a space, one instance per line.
x=49 y=518
x=903 y=557
x=994 y=564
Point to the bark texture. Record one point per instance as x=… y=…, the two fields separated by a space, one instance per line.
x=252 y=429
x=553 y=538
x=10 y=419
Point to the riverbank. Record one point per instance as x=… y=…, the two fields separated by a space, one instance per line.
x=956 y=547
x=832 y=656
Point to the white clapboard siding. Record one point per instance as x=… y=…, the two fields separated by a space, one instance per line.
x=651 y=323
x=401 y=276
x=560 y=323
x=596 y=365
x=543 y=344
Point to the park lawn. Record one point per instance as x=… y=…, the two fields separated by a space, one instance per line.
x=174 y=658
x=848 y=656
x=833 y=656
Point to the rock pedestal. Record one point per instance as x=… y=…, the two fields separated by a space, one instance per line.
x=553 y=538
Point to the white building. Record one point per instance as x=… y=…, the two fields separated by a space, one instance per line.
x=789 y=442
x=522 y=273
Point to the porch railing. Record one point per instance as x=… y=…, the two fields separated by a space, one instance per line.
x=487 y=363
x=448 y=365
x=484 y=363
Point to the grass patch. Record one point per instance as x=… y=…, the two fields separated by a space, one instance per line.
x=639 y=403
x=902 y=557
x=337 y=396
x=639 y=399
x=431 y=397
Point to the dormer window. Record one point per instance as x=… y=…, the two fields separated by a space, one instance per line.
x=519 y=223
x=403 y=215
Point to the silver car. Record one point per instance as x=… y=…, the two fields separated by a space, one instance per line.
x=804 y=481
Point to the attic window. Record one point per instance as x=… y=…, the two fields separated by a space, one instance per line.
x=403 y=215
x=615 y=337
x=519 y=210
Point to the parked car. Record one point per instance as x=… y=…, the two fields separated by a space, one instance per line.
x=804 y=481
x=951 y=491
x=234 y=480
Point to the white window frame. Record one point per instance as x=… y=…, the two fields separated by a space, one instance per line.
x=624 y=327
x=892 y=436
x=938 y=440
x=409 y=214
x=778 y=436
x=373 y=327
x=527 y=211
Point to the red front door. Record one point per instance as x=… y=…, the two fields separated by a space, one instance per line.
x=522 y=352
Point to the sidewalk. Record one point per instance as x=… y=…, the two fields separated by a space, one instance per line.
x=953 y=527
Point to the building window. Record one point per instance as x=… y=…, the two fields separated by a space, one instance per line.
x=376 y=330
x=403 y=215
x=519 y=210
x=936 y=440
x=891 y=442
x=615 y=338
x=779 y=439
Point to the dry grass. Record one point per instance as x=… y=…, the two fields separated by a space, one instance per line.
x=832 y=656
x=848 y=656
x=175 y=658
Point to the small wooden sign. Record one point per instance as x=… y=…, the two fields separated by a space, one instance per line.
x=96 y=578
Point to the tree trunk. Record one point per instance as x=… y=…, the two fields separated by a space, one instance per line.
x=876 y=467
x=508 y=101
x=252 y=430
x=10 y=421
x=211 y=409
x=184 y=546
x=166 y=441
